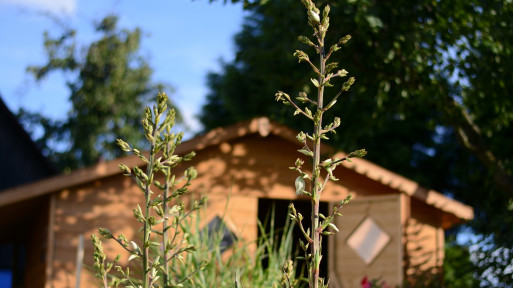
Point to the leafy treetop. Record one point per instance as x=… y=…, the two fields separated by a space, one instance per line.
x=108 y=83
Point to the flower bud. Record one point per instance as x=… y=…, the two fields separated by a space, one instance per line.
x=314 y=17
x=300 y=185
x=105 y=233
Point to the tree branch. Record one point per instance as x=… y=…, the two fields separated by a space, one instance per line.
x=469 y=136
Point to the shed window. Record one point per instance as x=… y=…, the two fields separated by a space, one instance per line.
x=219 y=232
x=368 y=240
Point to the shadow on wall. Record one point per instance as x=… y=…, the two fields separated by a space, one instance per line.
x=82 y=210
x=420 y=266
x=245 y=166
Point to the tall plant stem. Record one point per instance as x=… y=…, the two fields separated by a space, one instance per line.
x=147 y=194
x=165 y=226
x=316 y=233
x=156 y=263
x=319 y=227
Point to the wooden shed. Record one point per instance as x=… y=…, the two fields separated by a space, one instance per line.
x=392 y=229
x=23 y=163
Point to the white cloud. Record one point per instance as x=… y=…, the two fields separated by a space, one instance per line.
x=53 y=6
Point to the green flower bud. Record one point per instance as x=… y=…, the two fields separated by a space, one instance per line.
x=123 y=145
x=342 y=73
x=191 y=173
x=189 y=156
x=105 y=233
x=302 y=56
x=344 y=39
x=358 y=153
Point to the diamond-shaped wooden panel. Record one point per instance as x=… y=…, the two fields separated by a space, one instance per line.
x=368 y=240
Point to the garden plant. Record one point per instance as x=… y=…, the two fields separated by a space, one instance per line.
x=322 y=170
x=163 y=213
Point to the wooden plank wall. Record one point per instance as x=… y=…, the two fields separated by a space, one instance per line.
x=104 y=203
x=348 y=268
x=424 y=244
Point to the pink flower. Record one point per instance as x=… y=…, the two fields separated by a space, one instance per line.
x=365 y=283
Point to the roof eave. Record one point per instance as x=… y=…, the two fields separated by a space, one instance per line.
x=263 y=126
x=409 y=187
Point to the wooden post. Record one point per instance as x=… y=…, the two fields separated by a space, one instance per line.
x=50 y=242
x=80 y=258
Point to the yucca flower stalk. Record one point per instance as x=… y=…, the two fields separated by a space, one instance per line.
x=162 y=214
x=325 y=71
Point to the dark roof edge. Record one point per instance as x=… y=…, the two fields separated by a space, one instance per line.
x=26 y=137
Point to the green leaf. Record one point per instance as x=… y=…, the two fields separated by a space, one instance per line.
x=305 y=152
x=155 y=244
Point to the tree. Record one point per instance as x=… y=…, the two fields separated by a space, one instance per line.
x=458 y=268
x=109 y=84
x=432 y=75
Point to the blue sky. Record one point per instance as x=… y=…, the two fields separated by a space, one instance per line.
x=184 y=39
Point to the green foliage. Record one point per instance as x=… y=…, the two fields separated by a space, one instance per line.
x=458 y=268
x=433 y=73
x=162 y=215
x=108 y=84
x=238 y=266
x=321 y=225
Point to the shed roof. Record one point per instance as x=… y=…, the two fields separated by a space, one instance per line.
x=25 y=161
x=262 y=126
